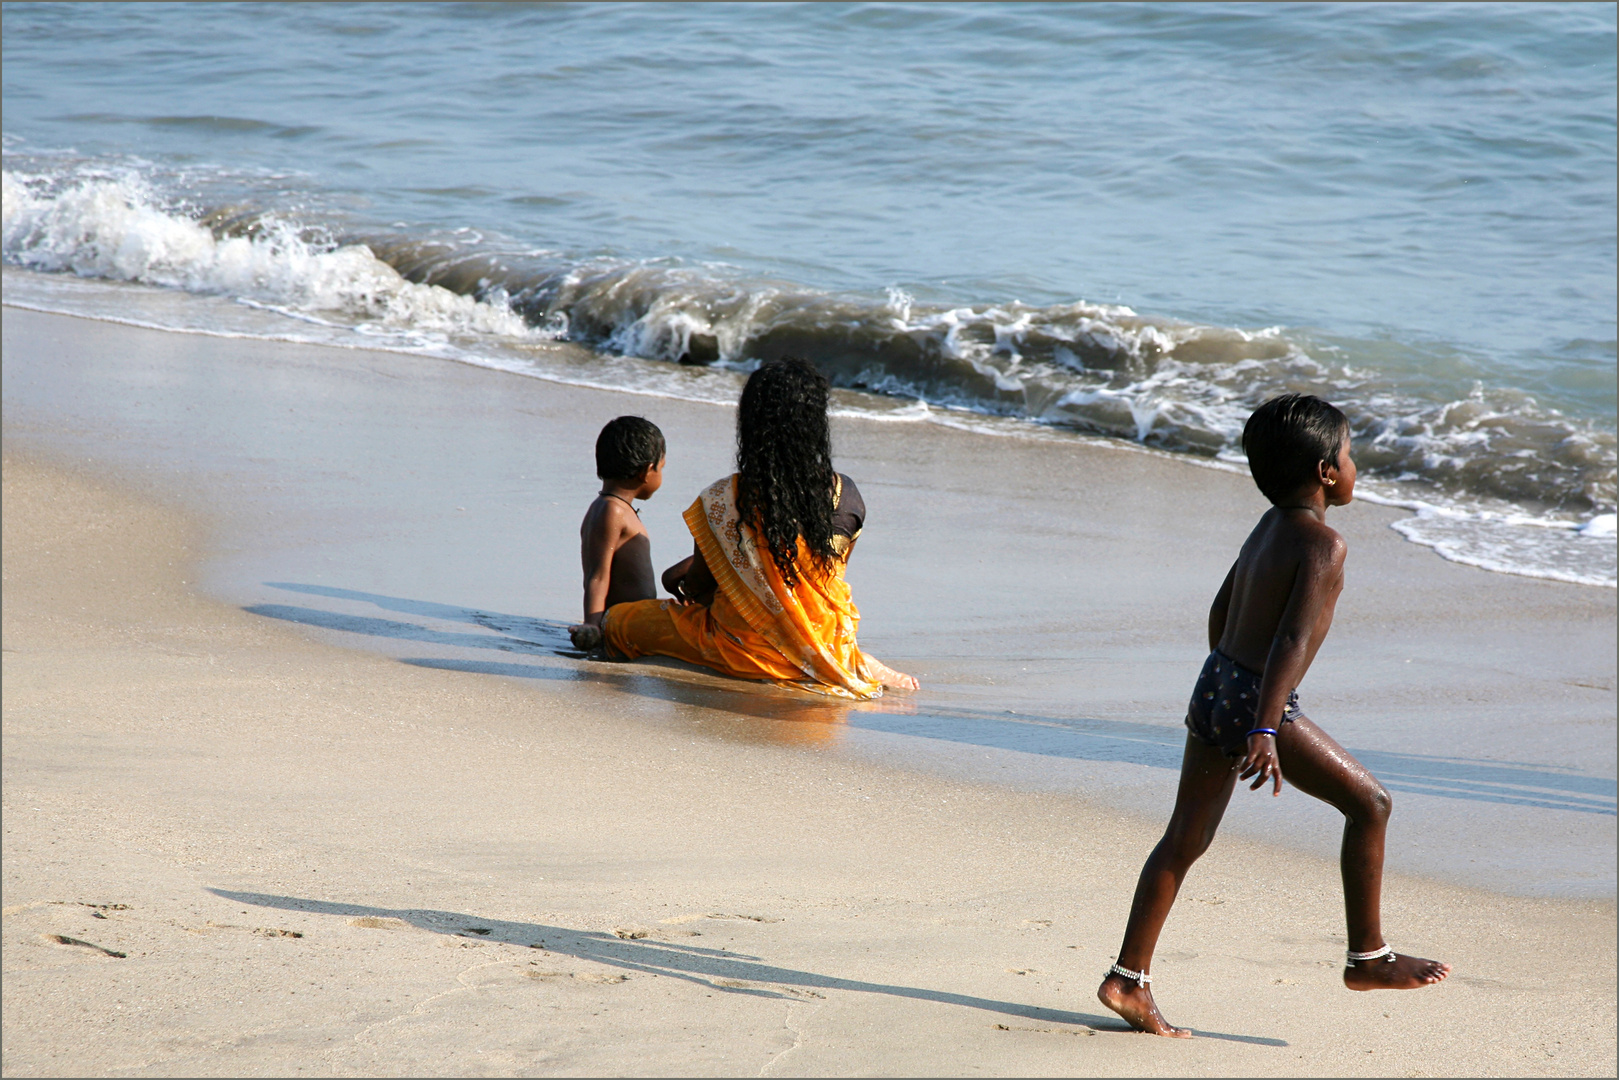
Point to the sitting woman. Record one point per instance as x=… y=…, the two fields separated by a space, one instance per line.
x=762 y=595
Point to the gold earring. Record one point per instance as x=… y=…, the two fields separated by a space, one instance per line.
x=1328 y=482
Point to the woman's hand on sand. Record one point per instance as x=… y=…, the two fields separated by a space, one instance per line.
x=1262 y=763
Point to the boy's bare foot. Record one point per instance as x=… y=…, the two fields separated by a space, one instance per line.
x=1397 y=973
x=585 y=636
x=1134 y=1003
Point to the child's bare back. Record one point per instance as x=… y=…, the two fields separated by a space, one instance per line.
x=1291 y=559
x=612 y=539
x=615 y=550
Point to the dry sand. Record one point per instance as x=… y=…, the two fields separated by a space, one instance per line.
x=319 y=861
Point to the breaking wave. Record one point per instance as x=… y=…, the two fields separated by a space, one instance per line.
x=1496 y=478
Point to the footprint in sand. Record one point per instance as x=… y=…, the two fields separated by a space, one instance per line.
x=265 y=931
x=374 y=922
x=774 y=988
x=63 y=939
x=678 y=919
x=1047 y=1030
x=578 y=976
x=98 y=911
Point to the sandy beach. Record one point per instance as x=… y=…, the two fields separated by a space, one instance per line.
x=310 y=318
x=235 y=846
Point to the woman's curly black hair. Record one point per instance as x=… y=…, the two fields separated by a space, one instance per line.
x=785 y=483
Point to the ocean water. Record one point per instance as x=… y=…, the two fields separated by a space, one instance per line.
x=1130 y=221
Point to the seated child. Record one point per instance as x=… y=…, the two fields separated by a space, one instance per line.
x=613 y=544
x=1268 y=619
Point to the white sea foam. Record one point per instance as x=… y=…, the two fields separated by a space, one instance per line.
x=1005 y=369
x=1505 y=542
x=113 y=227
x=1526 y=548
x=1601 y=527
x=1557 y=549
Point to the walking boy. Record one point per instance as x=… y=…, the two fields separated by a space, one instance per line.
x=613 y=544
x=1267 y=621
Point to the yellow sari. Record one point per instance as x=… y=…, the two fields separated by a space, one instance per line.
x=757 y=626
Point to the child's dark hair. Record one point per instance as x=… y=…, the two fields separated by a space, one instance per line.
x=1287 y=437
x=626 y=446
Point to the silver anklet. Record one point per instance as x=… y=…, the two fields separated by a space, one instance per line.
x=1141 y=977
x=1375 y=954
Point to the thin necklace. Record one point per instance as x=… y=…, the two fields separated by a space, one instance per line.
x=620 y=498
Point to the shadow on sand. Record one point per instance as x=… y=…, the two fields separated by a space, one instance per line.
x=1157 y=746
x=718 y=969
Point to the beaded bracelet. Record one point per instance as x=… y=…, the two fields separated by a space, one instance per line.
x=1262 y=731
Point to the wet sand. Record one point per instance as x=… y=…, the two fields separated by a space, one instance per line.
x=1051 y=595
x=495 y=859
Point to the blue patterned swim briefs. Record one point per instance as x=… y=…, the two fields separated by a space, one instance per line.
x=1225 y=705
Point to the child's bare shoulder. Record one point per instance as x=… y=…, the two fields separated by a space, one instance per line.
x=1281 y=539
x=613 y=516
x=1314 y=540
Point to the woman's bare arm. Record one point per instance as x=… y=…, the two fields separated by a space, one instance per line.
x=672 y=576
x=690 y=581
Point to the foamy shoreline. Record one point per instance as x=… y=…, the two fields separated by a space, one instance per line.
x=1486 y=533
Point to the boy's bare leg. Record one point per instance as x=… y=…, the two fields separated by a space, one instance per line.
x=1313 y=762
x=1207 y=777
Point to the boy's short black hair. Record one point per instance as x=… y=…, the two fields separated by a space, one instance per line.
x=626 y=446
x=1287 y=437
